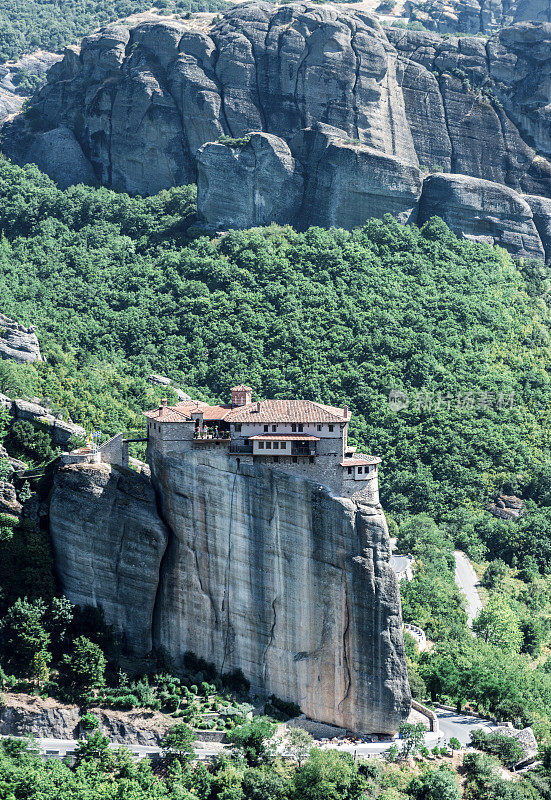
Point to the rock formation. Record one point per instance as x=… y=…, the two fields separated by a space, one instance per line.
x=476 y=16
x=61 y=431
x=18 y=342
x=255 y=569
x=108 y=544
x=339 y=118
x=15 y=76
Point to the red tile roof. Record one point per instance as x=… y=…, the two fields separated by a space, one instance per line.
x=287 y=411
x=284 y=437
x=213 y=413
x=241 y=388
x=167 y=414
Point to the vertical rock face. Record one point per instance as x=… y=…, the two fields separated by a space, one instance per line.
x=108 y=544
x=271 y=574
x=251 y=569
x=266 y=183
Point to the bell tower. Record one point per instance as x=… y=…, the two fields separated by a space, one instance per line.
x=241 y=395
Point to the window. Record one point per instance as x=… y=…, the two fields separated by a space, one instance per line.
x=311 y=459
x=295 y=460
x=265 y=429
x=261 y=445
x=331 y=427
x=300 y=428
x=319 y=427
x=283 y=445
x=276 y=445
x=274 y=428
x=360 y=470
x=268 y=445
x=238 y=427
x=294 y=428
x=350 y=470
x=276 y=459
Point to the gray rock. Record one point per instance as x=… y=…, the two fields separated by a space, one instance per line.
x=541 y=212
x=24 y=715
x=260 y=571
x=12 y=94
x=9 y=503
x=348 y=183
x=240 y=187
x=159 y=380
x=108 y=543
x=271 y=574
x=17 y=342
x=61 y=431
x=58 y=153
x=482 y=211
x=475 y=16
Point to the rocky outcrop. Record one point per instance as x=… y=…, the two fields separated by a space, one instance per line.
x=8 y=499
x=507 y=507
x=266 y=183
x=482 y=211
x=23 y=715
x=476 y=16
x=61 y=431
x=108 y=543
x=339 y=117
x=18 y=79
x=17 y=342
x=262 y=571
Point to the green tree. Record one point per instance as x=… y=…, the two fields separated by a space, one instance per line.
x=298 y=743
x=23 y=633
x=329 y=775
x=264 y=784
x=439 y=784
x=83 y=669
x=253 y=739
x=412 y=736
x=177 y=743
x=498 y=624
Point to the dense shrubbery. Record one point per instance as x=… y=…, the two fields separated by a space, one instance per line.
x=26 y=25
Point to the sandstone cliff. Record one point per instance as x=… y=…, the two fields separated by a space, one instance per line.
x=250 y=569
x=339 y=119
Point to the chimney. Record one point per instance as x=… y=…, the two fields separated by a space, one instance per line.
x=257 y=407
x=163 y=407
x=164 y=401
x=345 y=411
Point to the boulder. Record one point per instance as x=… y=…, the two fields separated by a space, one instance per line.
x=17 y=342
x=241 y=185
x=482 y=211
x=9 y=503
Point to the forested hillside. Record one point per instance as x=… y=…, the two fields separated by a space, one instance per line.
x=27 y=25
x=119 y=287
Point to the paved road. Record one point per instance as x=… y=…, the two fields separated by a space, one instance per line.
x=59 y=748
x=459 y=725
x=467 y=581
x=451 y=724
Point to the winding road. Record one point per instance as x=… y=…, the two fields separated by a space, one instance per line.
x=467 y=581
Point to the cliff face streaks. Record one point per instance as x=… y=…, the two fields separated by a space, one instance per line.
x=262 y=571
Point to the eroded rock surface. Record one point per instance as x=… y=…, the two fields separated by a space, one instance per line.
x=18 y=342
x=143 y=109
x=482 y=211
x=476 y=16
x=262 y=571
x=108 y=543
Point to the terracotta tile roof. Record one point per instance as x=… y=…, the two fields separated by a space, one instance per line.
x=167 y=414
x=241 y=388
x=285 y=437
x=287 y=411
x=359 y=460
x=216 y=412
